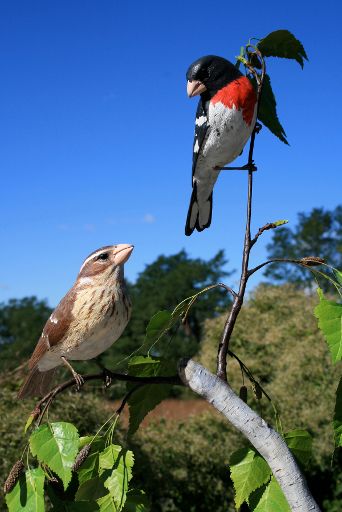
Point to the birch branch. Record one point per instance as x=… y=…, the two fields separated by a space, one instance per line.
x=261 y=435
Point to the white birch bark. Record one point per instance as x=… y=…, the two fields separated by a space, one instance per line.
x=266 y=440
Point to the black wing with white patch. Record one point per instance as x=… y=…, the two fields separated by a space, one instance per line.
x=201 y=130
x=201 y=127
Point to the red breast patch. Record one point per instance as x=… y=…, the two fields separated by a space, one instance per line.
x=239 y=94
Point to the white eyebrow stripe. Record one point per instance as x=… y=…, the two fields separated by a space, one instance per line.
x=85 y=280
x=93 y=256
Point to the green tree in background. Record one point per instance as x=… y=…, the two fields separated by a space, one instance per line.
x=164 y=283
x=317 y=233
x=21 y=323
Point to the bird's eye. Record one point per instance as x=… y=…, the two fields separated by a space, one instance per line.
x=104 y=256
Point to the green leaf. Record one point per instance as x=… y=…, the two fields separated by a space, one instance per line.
x=338 y=275
x=281 y=43
x=107 y=504
x=280 y=222
x=146 y=366
x=117 y=482
x=269 y=499
x=109 y=456
x=337 y=421
x=29 y=421
x=28 y=493
x=157 y=326
x=137 y=501
x=97 y=443
x=92 y=489
x=248 y=472
x=267 y=113
x=300 y=444
x=145 y=398
x=89 y=468
x=114 y=473
x=56 y=444
x=329 y=316
x=163 y=321
x=71 y=506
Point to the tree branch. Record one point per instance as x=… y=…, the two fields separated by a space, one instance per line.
x=228 y=288
x=266 y=227
x=263 y=437
x=248 y=243
x=45 y=402
x=275 y=260
x=238 y=299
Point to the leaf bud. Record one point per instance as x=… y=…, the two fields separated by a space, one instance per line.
x=257 y=390
x=311 y=261
x=243 y=393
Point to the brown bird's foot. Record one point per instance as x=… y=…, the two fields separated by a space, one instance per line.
x=79 y=380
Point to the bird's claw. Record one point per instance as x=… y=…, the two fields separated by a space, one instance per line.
x=107 y=379
x=79 y=380
x=257 y=127
x=250 y=166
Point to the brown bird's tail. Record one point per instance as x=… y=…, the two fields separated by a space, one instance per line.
x=37 y=383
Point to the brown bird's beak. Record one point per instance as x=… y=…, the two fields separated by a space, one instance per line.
x=195 y=88
x=122 y=252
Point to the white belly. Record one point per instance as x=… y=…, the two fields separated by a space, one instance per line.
x=88 y=347
x=228 y=134
x=226 y=137
x=96 y=343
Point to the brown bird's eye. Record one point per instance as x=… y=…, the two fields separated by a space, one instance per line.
x=103 y=256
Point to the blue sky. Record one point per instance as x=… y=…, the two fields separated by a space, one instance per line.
x=96 y=131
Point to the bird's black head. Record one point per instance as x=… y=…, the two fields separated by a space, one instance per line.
x=210 y=73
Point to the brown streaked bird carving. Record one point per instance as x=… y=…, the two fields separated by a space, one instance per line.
x=87 y=321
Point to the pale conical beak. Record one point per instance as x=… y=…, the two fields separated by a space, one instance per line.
x=195 y=88
x=122 y=252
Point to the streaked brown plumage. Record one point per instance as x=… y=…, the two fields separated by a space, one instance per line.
x=87 y=321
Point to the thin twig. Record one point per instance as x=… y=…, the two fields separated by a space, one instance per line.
x=228 y=288
x=266 y=227
x=273 y=260
x=126 y=397
x=249 y=374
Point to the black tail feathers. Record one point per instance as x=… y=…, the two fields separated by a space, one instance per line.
x=199 y=215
